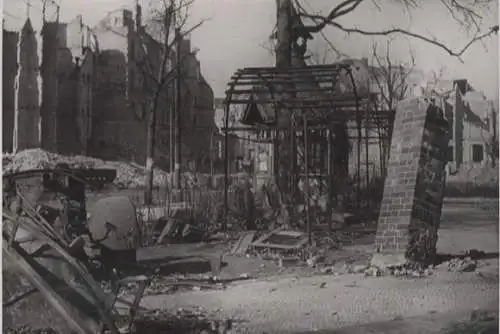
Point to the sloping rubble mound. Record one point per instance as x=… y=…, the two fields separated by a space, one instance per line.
x=29 y=330
x=158 y=322
x=129 y=175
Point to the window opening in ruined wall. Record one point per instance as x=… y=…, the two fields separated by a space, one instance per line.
x=451 y=156
x=477 y=153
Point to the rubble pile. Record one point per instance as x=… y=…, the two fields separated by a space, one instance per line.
x=168 y=285
x=129 y=175
x=478 y=175
x=195 y=320
x=415 y=270
x=29 y=330
x=459 y=264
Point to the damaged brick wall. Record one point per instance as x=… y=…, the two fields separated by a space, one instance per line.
x=84 y=87
x=27 y=103
x=413 y=192
x=54 y=38
x=123 y=98
x=67 y=125
x=67 y=92
x=9 y=70
x=119 y=115
x=117 y=133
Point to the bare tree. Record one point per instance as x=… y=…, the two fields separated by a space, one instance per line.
x=389 y=79
x=158 y=40
x=465 y=12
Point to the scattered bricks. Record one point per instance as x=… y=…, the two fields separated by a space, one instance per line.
x=411 y=207
x=360 y=268
x=373 y=271
x=460 y=265
x=289 y=262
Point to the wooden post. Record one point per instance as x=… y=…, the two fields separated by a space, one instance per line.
x=171 y=139
x=151 y=139
x=178 y=134
x=330 y=177
x=306 y=184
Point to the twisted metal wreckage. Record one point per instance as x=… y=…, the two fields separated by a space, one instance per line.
x=64 y=253
x=297 y=107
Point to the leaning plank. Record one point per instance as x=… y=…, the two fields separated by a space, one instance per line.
x=243 y=243
x=71 y=314
x=167 y=230
x=263 y=242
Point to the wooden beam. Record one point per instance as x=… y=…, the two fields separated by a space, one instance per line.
x=72 y=315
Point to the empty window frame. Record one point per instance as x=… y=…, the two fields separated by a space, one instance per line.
x=477 y=153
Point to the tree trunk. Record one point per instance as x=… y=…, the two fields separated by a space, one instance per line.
x=178 y=134
x=148 y=196
x=284 y=159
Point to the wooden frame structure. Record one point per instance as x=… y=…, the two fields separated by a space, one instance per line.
x=303 y=100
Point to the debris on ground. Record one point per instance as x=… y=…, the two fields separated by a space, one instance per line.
x=459 y=264
x=28 y=330
x=129 y=175
x=281 y=240
x=480 y=322
x=179 y=228
x=243 y=243
x=289 y=262
x=407 y=270
x=474 y=254
x=195 y=320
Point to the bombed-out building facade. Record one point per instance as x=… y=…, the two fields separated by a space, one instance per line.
x=86 y=91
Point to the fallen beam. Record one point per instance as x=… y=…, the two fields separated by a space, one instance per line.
x=177 y=253
x=78 y=321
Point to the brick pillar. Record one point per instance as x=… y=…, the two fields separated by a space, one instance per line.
x=413 y=192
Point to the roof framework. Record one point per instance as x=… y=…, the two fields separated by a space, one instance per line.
x=311 y=91
x=312 y=98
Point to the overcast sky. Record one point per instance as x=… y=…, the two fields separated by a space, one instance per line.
x=232 y=38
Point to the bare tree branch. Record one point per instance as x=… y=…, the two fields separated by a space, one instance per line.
x=391 y=80
x=345 y=7
x=457 y=53
x=464 y=12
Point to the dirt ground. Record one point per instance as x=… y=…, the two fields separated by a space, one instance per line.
x=466 y=224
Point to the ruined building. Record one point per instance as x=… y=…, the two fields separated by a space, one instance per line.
x=124 y=95
x=67 y=72
x=96 y=95
x=27 y=108
x=9 y=70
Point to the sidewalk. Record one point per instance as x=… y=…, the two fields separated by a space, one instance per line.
x=288 y=304
x=432 y=323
